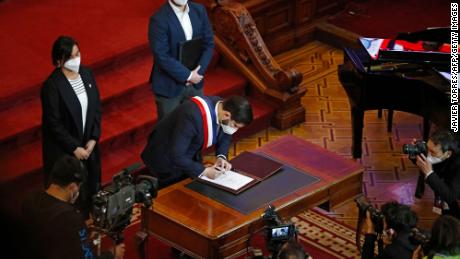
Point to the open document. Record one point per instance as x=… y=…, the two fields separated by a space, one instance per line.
x=230 y=179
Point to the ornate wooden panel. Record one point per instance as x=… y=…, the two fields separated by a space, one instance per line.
x=285 y=24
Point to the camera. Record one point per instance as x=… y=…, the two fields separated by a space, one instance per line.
x=281 y=233
x=420 y=237
x=277 y=231
x=413 y=150
x=113 y=205
x=376 y=215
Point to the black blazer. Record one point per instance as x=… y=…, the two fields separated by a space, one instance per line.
x=174 y=146
x=445 y=182
x=62 y=126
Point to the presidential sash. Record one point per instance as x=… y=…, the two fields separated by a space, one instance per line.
x=209 y=118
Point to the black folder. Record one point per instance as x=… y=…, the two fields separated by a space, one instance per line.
x=190 y=52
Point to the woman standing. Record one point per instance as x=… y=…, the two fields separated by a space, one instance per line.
x=71 y=121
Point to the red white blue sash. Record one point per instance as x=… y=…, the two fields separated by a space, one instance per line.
x=209 y=120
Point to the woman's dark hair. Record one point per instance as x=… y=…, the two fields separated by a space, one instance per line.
x=66 y=170
x=240 y=108
x=445 y=236
x=62 y=49
x=446 y=139
x=399 y=217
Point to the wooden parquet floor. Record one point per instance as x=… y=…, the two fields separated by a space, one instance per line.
x=389 y=175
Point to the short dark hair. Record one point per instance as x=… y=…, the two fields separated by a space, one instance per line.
x=239 y=107
x=62 y=49
x=446 y=139
x=445 y=235
x=291 y=250
x=399 y=217
x=66 y=170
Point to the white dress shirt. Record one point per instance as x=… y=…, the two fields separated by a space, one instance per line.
x=184 y=20
x=80 y=91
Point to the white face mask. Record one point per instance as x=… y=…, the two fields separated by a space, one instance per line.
x=180 y=2
x=434 y=160
x=73 y=64
x=74 y=197
x=228 y=129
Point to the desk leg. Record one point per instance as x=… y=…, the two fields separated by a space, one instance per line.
x=141 y=240
x=357 y=117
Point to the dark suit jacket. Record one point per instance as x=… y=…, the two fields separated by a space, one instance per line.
x=445 y=182
x=62 y=125
x=165 y=33
x=400 y=247
x=174 y=146
x=55 y=229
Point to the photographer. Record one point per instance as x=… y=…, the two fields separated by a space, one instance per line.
x=441 y=168
x=55 y=227
x=397 y=224
x=444 y=241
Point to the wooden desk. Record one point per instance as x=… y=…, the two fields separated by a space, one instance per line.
x=202 y=227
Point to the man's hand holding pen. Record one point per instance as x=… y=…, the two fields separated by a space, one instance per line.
x=223 y=164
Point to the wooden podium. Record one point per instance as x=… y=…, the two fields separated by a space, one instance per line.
x=204 y=228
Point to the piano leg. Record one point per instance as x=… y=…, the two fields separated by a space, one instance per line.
x=357 y=121
x=390 y=120
x=420 y=188
x=426 y=128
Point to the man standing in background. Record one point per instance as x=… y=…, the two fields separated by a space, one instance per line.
x=172 y=82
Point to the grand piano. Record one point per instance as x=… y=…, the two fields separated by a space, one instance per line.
x=404 y=74
x=408 y=73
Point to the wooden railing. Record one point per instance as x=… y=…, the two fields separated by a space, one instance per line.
x=243 y=48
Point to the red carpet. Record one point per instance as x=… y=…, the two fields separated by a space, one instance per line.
x=322 y=237
x=28 y=29
x=387 y=18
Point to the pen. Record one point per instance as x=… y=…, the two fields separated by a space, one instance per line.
x=220 y=169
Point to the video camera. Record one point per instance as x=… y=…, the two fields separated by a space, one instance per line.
x=277 y=231
x=113 y=205
x=413 y=150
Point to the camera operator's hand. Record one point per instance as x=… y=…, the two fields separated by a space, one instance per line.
x=418 y=253
x=424 y=165
x=369 y=224
x=119 y=251
x=212 y=172
x=81 y=153
x=222 y=163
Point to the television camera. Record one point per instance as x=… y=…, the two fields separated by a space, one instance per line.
x=113 y=205
x=277 y=231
